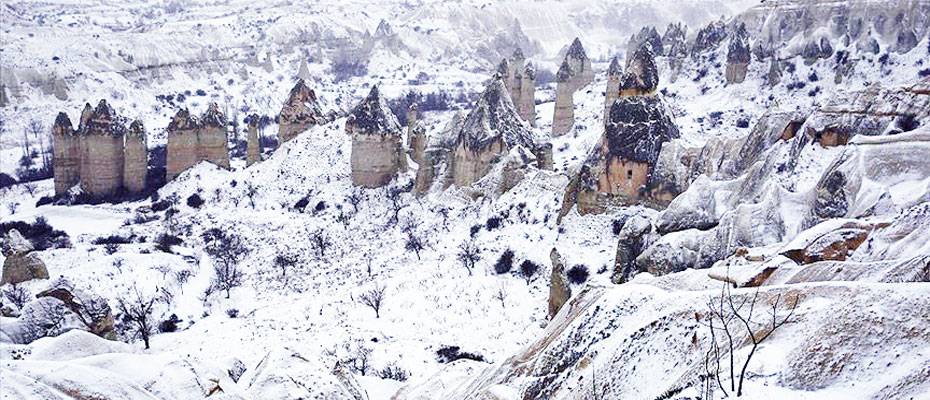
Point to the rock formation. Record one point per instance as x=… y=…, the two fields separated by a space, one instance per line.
x=377 y=150
x=526 y=107
x=436 y=156
x=738 y=55
x=192 y=140
x=490 y=130
x=253 y=150
x=102 y=155
x=135 y=163
x=67 y=155
x=709 y=37
x=212 y=143
x=21 y=263
x=642 y=76
x=102 y=152
x=300 y=111
x=416 y=135
x=648 y=36
x=91 y=310
x=559 y=290
x=574 y=73
x=614 y=73
x=873 y=111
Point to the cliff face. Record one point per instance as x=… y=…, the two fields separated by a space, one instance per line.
x=192 y=140
x=300 y=111
x=377 y=148
x=135 y=155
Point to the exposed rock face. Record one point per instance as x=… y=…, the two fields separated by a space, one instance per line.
x=67 y=155
x=136 y=161
x=574 y=73
x=738 y=55
x=92 y=311
x=301 y=111
x=102 y=152
x=641 y=76
x=437 y=155
x=192 y=140
x=614 y=72
x=633 y=239
x=286 y=374
x=709 y=37
x=21 y=264
x=619 y=169
x=416 y=135
x=559 y=290
x=253 y=148
x=490 y=130
x=817 y=49
x=870 y=112
x=774 y=75
x=646 y=36
x=377 y=151
x=520 y=80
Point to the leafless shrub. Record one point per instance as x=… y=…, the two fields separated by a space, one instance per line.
x=373 y=298
x=17 y=295
x=137 y=311
x=469 y=254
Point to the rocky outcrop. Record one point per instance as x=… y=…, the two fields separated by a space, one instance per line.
x=102 y=152
x=634 y=237
x=870 y=112
x=436 y=157
x=676 y=48
x=489 y=131
x=709 y=38
x=646 y=36
x=520 y=80
x=738 y=55
x=135 y=163
x=91 y=310
x=300 y=111
x=377 y=149
x=253 y=151
x=559 y=290
x=192 y=140
x=574 y=73
x=66 y=162
x=526 y=106
x=21 y=263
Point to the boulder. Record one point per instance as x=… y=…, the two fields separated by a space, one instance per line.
x=92 y=310
x=21 y=263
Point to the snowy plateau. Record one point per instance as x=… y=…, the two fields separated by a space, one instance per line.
x=490 y=200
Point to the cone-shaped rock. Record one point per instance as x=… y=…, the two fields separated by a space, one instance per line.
x=135 y=155
x=574 y=72
x=641 y=76
x=377 y=148
x=102 y=152
x=300 y=111
x=614 y=73
x=738 y=55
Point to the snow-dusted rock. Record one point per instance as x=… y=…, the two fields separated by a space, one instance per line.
x=377 y=145
x=285 y=374
x=301 y=110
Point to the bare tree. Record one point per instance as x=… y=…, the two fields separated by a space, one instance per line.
x=137 y=311
x=469 y=254
x=373 y=298
x=31 y=188
x=414 y=243
x=355 y=197
x=227 y=250
x=501 y=295
x=725 y=316
x=319 y=241
x=17 y=295
x=393 y=195
x=285 y=262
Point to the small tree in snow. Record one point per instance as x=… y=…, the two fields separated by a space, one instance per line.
x=355 y=197
x=373 y=298
x=137 y=311
x=227 y=250
x=414 y=243
x=469 y=254
x=319 y=242
x=285 y=262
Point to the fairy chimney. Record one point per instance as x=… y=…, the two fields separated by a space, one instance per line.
x=300 y=112
x=614 y=72
x=641 y=76
x=377 y=151
x=102 y=152
x=574 y=73
x=416 y=135
x=66 y=161
x=135 y=156
x=526 y=107
x=182 y=143
x=738 y=55
x=490 y=130
x=253 y=147
x=212 y=143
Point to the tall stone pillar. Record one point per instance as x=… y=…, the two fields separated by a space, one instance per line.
x=135 y=156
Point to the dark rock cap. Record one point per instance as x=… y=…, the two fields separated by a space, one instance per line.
x=637 y=127
x=213 y=117
x=373 y=117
